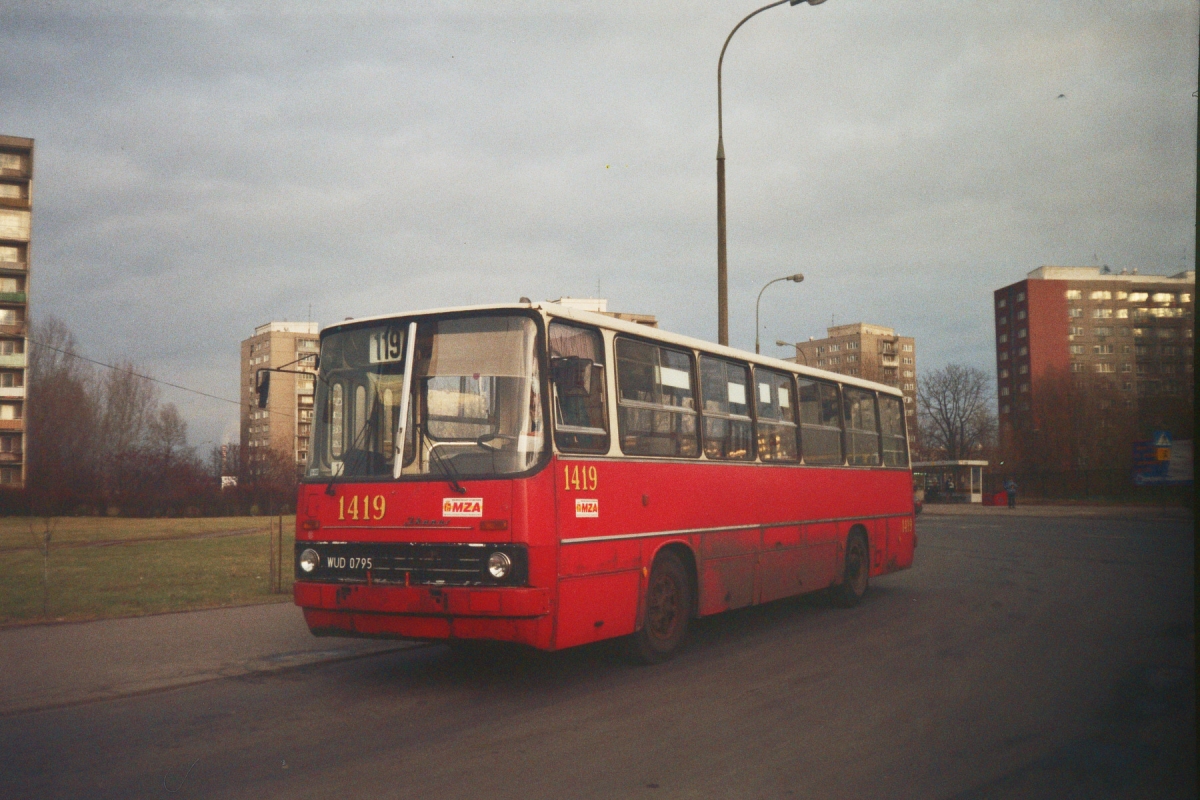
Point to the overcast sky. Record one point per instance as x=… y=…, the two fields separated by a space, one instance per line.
x=203 y=168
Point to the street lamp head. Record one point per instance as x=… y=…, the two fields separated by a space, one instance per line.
x=782 y=343
x=796 y=278
x=810 y=2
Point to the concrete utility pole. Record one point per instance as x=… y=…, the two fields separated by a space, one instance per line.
x=722 y=261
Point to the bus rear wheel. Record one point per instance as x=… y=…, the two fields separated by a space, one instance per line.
x=668 y=611
x=856 y=575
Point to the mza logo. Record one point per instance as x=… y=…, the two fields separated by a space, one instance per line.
x=462 y=507
x=587 y=508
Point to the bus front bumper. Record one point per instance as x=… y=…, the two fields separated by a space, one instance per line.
x=518 y=614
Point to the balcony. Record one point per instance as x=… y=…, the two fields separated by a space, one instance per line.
x=14 y=360
x=12 y=297
x=12 y=391
x=889 y=360
x=12 y=458
x=13 y=330
x=12 y=424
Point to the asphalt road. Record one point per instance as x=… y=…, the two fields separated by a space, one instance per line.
x=1020 y=657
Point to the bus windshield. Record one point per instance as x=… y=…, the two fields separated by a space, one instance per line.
x=475 y=406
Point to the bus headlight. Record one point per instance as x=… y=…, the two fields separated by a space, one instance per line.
x=499 y=565
x=309 y=560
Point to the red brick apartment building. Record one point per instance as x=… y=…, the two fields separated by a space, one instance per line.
x=1135 y=330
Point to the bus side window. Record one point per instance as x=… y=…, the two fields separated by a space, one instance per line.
x=862 y=432
x=577 y=379
x=776 y=416
x=728 y=430
x=820 y=422
x=891 y=423
x=657 y=405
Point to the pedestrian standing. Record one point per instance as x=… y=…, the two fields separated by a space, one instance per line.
x=1010 y=488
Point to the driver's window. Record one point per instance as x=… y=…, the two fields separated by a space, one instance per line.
x=577 y=381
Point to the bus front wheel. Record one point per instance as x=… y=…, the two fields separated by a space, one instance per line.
x=668 y=611
x=856 y=574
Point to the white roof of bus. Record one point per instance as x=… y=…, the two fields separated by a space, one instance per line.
x=645 y=331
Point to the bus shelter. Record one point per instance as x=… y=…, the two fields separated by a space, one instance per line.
x=948 y=481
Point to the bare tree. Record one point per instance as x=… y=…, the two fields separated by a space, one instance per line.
x=61 y=421
x=955 y=411
x=1081 y=422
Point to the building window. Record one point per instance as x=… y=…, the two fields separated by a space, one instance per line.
x=1004 y=408
x=1075 y=312
x=1166 y=333
x=1185 y=298
x=1139 y=331
x=1101 y=331
x=833 y=348
x=12 y=347
x=1168 y=369
x=907 y=360
x=1002 y=338
x=1076 y=349
x=1023 y=369
x=1023 y=388
x=11 y=380
x=1126 y=368
x=1002 y=321
x=1163 y=297
x=851 y=359
x=1024 y=351
x=1022 y=333
x=1001 y=303
x=1021 y=315
x=1074 y=294
x=1004 y=391
x=820 y=362
x=1122 y=313
x=1100 y=294
x=852 y=345
x=1020 y=297
x=1074 y=331
x=1004 y=355
x=1138 y=297
x=1003 y=373
x=1105 y=367
x=907 y=348
x=1076 y=367
x=1102 y=349
x=1102 y=313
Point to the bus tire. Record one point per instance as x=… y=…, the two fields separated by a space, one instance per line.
x=668 y=611
x=856 y=573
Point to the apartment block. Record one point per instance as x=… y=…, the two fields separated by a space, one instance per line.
x=1134 y=329
x=868 y=351
x=284 y=426
x=16 y=213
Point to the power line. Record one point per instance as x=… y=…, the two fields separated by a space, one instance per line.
x=149 y=378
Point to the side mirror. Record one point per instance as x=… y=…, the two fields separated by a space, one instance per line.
x=264 y=387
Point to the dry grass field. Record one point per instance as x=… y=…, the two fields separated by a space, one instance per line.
x=101 y=567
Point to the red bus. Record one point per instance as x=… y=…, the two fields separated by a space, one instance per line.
x=538 y=474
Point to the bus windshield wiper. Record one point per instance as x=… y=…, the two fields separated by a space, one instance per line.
x=448 y=470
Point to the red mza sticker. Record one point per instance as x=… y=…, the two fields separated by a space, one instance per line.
x=462 y=507
x=587 y=508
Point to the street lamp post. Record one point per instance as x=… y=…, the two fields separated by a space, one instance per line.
x=795 y=278
x=722 y=262
x=799 y=352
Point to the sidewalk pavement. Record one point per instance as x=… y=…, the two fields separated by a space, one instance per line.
x=46 y=666
x=1039 y=510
